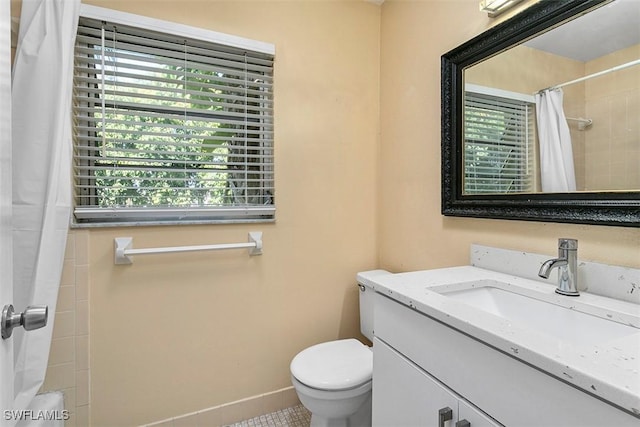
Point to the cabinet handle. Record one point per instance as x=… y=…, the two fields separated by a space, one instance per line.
x=463 y=423
x=444 y=414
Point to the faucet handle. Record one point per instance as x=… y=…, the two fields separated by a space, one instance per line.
x=568 y=244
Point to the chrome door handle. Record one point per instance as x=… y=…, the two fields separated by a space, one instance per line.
x=33 y=317
x=444 y=414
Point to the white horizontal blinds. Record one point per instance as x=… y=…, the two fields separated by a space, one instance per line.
x=166 y=125
x=498 y=152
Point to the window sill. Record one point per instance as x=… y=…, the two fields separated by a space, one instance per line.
x=172 y=223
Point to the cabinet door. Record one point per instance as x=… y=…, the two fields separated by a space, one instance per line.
x=404 y=395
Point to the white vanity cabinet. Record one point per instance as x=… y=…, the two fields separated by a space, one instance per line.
x=422 y=365
x=405 y=395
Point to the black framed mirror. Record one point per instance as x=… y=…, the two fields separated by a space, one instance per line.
x=587 y=204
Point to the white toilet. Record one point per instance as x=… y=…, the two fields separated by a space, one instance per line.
x=333 y=379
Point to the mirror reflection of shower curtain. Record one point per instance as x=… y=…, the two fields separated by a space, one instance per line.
x=556 y=153
x=42 y=148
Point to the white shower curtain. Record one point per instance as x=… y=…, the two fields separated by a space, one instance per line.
x=556 y=153
x=42 y=147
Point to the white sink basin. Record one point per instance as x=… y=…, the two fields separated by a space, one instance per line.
x=539 y=312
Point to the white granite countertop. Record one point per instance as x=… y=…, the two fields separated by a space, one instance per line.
x=609 y=370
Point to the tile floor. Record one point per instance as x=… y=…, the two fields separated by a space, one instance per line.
x=296 y=416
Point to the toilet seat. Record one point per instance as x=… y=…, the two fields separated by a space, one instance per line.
x=334 y=365
x=332 y=395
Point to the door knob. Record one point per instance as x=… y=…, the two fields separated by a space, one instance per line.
x=33 y=317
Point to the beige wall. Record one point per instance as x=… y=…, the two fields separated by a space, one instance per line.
x=178 y=333
x=68 y=364
x=519 y=70
x=412 y=232
x=612 y=144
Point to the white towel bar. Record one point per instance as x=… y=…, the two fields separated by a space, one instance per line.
x=123 y=248
x=582 y=123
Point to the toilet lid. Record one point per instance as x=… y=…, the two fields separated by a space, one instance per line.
x=334 y=365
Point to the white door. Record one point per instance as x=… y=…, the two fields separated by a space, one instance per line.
x=6 y=245
x=404 y=395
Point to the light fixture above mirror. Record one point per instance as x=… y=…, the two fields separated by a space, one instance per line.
x=496 y=7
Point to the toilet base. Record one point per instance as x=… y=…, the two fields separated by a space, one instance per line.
x=339 y=408
x=362 y=418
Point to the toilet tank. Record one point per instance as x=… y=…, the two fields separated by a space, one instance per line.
x=367 y=292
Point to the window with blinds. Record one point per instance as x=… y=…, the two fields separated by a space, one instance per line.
x=498 y=144
x=168 y=128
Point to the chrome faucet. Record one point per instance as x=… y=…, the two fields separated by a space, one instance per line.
x=567 y=263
